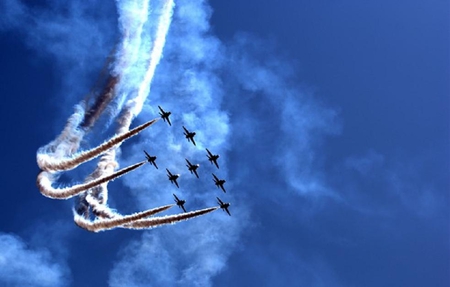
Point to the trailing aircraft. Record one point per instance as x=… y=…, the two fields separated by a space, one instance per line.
x=179 y=202
x=165 y=115
x=192 y=167
x=219 y=182
x=224 y=205
x=151 y=159
x=189 y=135
x=173 y=177
x=212 y=158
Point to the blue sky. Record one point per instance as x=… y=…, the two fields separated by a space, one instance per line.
x=332 y=119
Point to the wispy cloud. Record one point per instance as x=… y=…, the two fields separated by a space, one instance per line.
x=244 y=103
x=24 y=266
x=384 y=185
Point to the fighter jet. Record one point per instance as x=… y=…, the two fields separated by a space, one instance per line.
x=224 y=205
x=179 y=202
x=212 y=158
x=173 y=177
x=151 y=159
x=165 y=115
x=189 y=135
x=219 y=182
x=192 y=167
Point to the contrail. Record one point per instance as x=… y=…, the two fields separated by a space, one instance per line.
x=155 y=57
x=100 y=104
x=169 y=219
x=133 y=106
x=107 y=224
x=53 y=164
x=130 y=83
x=99 y=209
x=68 y=141
x=45 y=180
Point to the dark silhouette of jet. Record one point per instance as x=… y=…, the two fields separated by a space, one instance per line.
x=224 y=205
x=189 y=135
x=151 y=159
x=164 y=115
x=179 y=202
x=219 y=182
x=173 y=177
x=212 y=158
x=192 y=167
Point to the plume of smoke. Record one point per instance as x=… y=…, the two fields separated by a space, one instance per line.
x=45 y=180
x=107 y=224
x=53 y=164
x=168 y=219
x=188 y=84
x=130 y=14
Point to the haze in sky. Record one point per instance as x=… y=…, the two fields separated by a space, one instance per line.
x=331 y=119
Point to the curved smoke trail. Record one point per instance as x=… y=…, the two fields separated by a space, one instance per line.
x=45 y=180
x=50 y=163
x=130 y=84
x=107 y=224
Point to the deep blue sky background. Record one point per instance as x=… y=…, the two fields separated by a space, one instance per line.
x=338 y=158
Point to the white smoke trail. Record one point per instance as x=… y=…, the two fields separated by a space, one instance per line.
x=168 y=219
x=134 y=105
x=68 y=142
x=53 y=164
x=107 y=224
x=155 y=56
x=46 y=179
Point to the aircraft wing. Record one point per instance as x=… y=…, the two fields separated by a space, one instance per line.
x=162 y=111
x=216 y=164
x=185 y=129
x=176 y=198
x=147 y=155
x=196 y=174
x=183 y=208
x=193 y=141
x=170 y=174
x=226 y=209
x=154 y=163
x=219 y=201
x=168 y=121
x=176 y=183
x=215 y=177
x=188 y=162
x=209 y=153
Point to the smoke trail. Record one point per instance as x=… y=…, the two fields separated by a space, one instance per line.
x=45 y=180
x=100 y=104
x=68 y=141
x=155 y=56
x=99 y=209
x=134 y=105
x=53 y=164
x=107 y=224
x=169 y=219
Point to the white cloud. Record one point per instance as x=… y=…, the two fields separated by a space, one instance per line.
x=23 y=266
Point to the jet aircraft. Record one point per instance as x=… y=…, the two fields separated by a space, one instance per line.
x=213 y=158
x=173 y=177
x=219 y=182
x=224 y=205
x=165 y=115
x=192 y=167
x=151 y=159
x=179 y=202
x=189 y=135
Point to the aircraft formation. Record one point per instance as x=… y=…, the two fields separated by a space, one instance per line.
x=192 y=168
x=116 y=98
